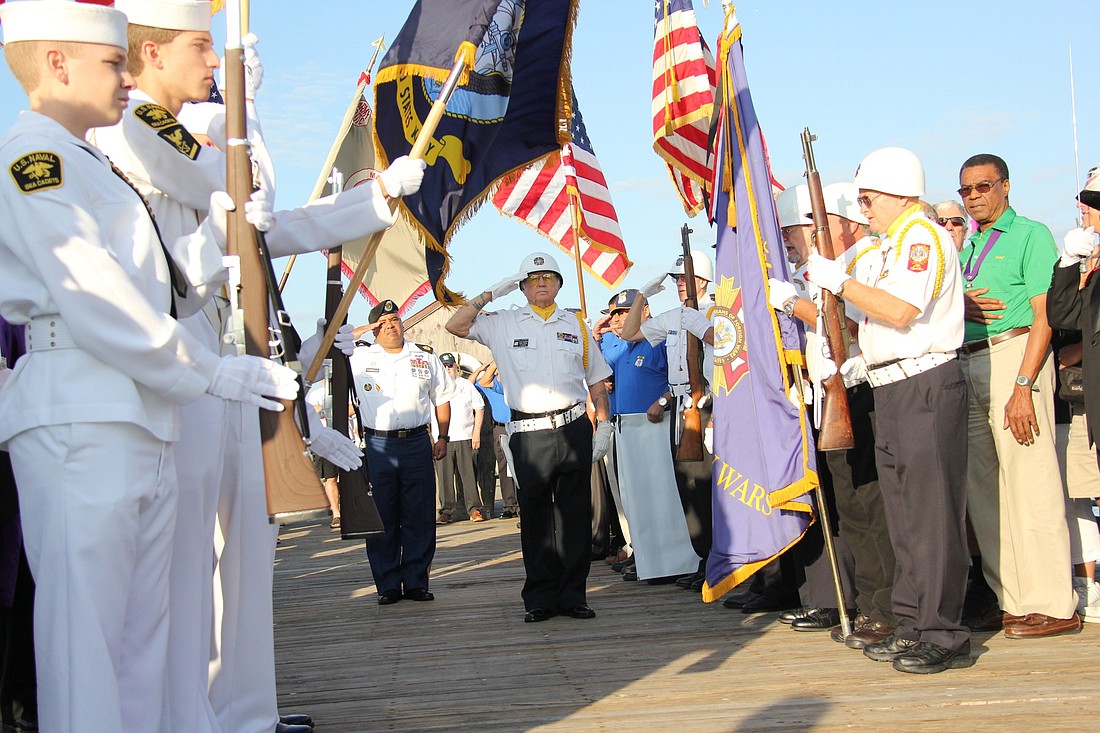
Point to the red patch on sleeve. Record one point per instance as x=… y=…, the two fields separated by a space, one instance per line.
x=918 y=257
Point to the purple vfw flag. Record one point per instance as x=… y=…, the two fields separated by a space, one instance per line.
x=763 y=450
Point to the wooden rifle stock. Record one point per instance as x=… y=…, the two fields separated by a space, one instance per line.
x=293 y=488
x=691 y=439
x=835 y=432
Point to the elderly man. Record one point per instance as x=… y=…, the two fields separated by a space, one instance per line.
x=1014 y=491
x=549 y=364
x=911 y=326
x=951 y=216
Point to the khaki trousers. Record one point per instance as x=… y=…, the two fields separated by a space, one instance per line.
x=1014 y=492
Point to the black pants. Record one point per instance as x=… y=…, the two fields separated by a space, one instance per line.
x=694 y=482
x=860 y=510
x=553 y=470
x=920 y=451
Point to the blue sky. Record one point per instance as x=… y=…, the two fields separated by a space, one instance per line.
x=944 y=79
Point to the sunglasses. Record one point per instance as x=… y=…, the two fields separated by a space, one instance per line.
x=543 y=276
x=953 y=220
x=983 y=187
x=866 y=201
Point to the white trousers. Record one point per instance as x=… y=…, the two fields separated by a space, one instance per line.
x=242 y=667
x=98 y=505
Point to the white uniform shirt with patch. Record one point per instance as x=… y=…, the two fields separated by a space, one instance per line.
x=669 y=328
x=399 y=391
x=917 y=264
x=80 y=244
x=541 y=363
x=466 y=399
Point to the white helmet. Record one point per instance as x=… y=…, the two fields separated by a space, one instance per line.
x=895 y=171
x=539 y=262
x=793 y=206
x=840 y=199
x=701 y=264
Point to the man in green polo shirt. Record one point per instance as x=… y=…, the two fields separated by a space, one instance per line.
x=1014 y=491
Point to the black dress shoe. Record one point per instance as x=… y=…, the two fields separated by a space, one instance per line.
x=420 y=594
x=929 y=658
x=687 y=582
x=819 y=619
x=790 y=615
x=296 y=719
x=619 y=567
x=770 y=604
x=581 y=611
x=284 y=728
x=666 y=580
x=698 y=583
x=538 y=614
x=630 y=574
x=508 y=514
x=386 y=598
x=739 y=600
x=889 y=648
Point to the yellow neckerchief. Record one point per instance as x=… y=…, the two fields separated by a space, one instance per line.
x=544 y=313
x=893 y=228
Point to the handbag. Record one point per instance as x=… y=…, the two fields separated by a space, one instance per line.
x=1071 y=384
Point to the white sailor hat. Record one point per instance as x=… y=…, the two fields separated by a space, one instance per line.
x=840 y=200
x=173 y=15
x=62 y=20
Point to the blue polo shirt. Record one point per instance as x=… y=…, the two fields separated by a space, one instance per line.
x=641 y=373
x=495 y=397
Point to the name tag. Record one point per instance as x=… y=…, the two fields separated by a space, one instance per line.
x=371 y=369
x=520 y=343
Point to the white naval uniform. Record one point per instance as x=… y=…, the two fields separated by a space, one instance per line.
x=399 y=391
x=89 y=416
x=220 y=462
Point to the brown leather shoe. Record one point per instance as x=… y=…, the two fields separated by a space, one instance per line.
x=443 y=519
x=1037 y=625
x=476 y=516
x=860 y=621
x=872 y=633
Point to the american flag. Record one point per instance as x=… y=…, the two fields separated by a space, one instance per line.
x=540 y=196
x=684 y=77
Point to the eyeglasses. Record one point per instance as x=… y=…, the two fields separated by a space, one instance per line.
x=543 y=276
x=866 y=201
x=953 y=220
x=983 y=187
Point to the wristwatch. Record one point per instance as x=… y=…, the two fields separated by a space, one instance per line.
x=445 y=438
x=1022 y=381
x=663 y=402
x=789 y=304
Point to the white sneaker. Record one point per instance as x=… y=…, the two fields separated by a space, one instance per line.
x=1088 y=599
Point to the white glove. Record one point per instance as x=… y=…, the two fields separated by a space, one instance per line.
x=326 y=443
x=259 y=211
x=779 y=292
x=344 y=341
x=654 y=286
x=1077 y=245
x=825 y=273
x=507 y=285
x=854 y=371
x=826 y=368
x=217 y=217
x=708 y=439
x=601 y=440
x=253 y=69
x=252 y=378
x=403 y=177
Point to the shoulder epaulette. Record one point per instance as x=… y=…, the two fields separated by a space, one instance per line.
x=169 y=129
x=425 y=348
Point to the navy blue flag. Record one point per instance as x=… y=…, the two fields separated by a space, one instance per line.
x=510 y=112
x=764 y=458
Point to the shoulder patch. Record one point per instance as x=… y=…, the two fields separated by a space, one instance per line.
x=425 y=348
x=169 y=129
x=918 y=257
x=37 y=171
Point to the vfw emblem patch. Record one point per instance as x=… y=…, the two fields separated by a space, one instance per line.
x=731 y=356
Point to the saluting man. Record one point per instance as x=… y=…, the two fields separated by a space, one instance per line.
x=89 y=414
x=399 y=384
x=549 y=365
x=911 y=326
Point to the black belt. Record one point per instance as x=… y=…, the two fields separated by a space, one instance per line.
x=499 y=424
x=972 y=346
x=517 y=415
x=407 y=433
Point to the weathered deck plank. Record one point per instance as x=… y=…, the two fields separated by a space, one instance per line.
x=655 y=658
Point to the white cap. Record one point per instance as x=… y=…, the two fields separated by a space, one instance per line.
x=62 y=20
x=793 y=206
x=895 y=171
x=700 y=263
x=539 y=262
x=173 y=15
x=840 y=200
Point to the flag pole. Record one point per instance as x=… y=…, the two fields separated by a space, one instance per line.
x=576 y=223
x=423 y=139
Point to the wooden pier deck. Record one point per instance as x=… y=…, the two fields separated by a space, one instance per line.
x=655 y=658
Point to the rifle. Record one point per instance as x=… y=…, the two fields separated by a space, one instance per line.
x=691 y=439
x=293 y=487
x=835 y=432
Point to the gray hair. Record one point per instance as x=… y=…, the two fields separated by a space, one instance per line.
x=954 y=204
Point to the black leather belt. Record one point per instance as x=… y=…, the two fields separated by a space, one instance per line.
x=408 y=433
x=971 y=346
x=517 y=415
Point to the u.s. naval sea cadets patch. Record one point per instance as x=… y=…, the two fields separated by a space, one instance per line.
x=169 y=129
x=37 y=172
